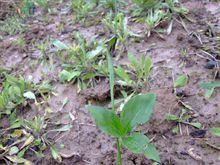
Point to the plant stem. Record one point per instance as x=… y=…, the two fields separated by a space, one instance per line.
x=119 y=160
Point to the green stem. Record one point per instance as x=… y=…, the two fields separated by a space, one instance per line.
x=119 y=160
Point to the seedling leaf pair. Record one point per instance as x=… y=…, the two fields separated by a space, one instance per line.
x=137 y=110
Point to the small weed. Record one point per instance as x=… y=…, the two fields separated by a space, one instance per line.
x=209 y=87
x=117 y=25
x=86 y=62
x=184 y=118
x=12 y=25
x=139 y=71
x=82 y=8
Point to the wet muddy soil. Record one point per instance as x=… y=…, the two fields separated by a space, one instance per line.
x=84 y=143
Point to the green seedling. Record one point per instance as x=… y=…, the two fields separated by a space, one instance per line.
x=111 y=4
x=20 y=42
x=12 y=25
x=209 y=88
x=183 y=118
x=13 y=93
x=136 y=111
x=215 y=131
x=152 y=13
x=117 y=25
x=153 y=19
x=140 y=71
x=180 y=82
x=85 y=62
x=82 y=9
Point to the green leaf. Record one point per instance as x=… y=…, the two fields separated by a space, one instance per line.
x=68 y=76
x=137 y=110
x=148 y=64
x=60 y=45
x=111 y=77
x=151 y=153
x=197 y=125
x=209 y=93
x=29 y=95
x=215 y=131
x=95 y=52
x=133 y=61
x=122 y=74
x=107 y=121
x=18 y=160
x=136 y=143
x=55 y=154
x=170 y=117
x=181 y=81
x=209 y=85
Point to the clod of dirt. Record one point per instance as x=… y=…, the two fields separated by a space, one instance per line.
x=198 y=133
x=212 y=64
x=100 y=92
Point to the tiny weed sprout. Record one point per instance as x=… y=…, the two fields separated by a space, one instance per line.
x=117 y=25
x=86 y=61
x=209 y=88
x=136 y=111
x=82 y=8
x=139 y=71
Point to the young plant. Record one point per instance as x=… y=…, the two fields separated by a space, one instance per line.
x=153 y=19
x=12 y=25
x=85 y=62
x=136 y=111
x=183 y=118
x=209 y=88
x=13 y=93
x=111 y=4
x=117 y=25
x=180 y=82
x=82 y=8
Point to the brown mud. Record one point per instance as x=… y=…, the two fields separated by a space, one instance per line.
x=85 y=144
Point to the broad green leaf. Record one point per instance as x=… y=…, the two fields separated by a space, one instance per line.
x=215 y=131
x=137 y=110
x=29 y=95
x=151 y=153
x=107 y=121
x=136 y=142
x=60 y=45
x=209 y=85
x=55 y=154
x=181 y=81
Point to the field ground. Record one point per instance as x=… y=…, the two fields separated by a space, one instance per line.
x=187 y=50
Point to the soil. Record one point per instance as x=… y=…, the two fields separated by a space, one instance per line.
x=85 y=144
